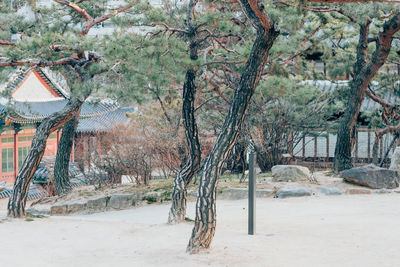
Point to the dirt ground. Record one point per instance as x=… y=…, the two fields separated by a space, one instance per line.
x=347 y=230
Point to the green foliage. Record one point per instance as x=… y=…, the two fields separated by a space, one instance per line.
x=148 y=63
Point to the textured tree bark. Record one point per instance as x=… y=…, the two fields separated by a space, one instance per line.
x=17 y=202
x=61 y=167
x=390 y=147
x=363 y=74
x=177 y=212
x=205 y=222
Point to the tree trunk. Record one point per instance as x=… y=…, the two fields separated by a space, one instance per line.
x=395 y=137
x=363 y=74
x=61 y=167
x=236 y=160
x=375 y=148
x=205 y=222
x=17 y=202
x=177 y=212
x=378 y=137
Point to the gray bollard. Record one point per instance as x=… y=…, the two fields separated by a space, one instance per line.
x=252 y=193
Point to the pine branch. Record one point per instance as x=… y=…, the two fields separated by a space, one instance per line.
x=254 y=12
x=371 y=94
x=89 y=20
x=305 y=40
x=73 y=60
x=90 y=23
x=75 y=7
x=6 y=43
x=38 y=62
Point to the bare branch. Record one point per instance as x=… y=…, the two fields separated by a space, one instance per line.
x=75 y=7
x=90 y=23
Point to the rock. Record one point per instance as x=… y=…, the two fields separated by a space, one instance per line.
x=38 y=211
x=75 y=207
x=395 y=160
x=122 y=201
x=290 y=173
x=98 y=204
x=58 y=209
x=372 y=176
x=329 y=191
x=358 y=191
x=243 y=193
x=152 y=197
x=292 y=191
x=234 y=194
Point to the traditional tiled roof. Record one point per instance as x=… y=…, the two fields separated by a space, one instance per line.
x=33 y=112
x=17 y=79
x=106 y=121
x=35 y=192
x=96 y=115
x=45 y=172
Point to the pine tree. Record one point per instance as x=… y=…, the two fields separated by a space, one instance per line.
x=61 y=46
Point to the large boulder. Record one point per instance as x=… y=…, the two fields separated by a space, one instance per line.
x=293 y=191
x=290 y=173
x=395 y=160
x=372 y=177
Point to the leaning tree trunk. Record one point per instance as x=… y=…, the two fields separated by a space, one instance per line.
x=395 y=137
x=205 y=222
x=17 y=202
x=177 y=212
x=363 y=74
x=61 y=168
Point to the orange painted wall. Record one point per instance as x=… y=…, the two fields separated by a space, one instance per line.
x=51 y=150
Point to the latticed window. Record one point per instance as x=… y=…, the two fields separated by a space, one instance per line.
x=7 y=160
x=7 y=140
x=22 y=153
x=26 y=138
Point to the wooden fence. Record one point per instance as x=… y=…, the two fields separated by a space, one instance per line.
x=317 y=150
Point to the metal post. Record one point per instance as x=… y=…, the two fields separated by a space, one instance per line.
x=252 y=193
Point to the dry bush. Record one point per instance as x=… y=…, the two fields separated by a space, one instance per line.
x=137 y=150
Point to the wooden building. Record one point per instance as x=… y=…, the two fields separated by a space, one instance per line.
x=35 y=95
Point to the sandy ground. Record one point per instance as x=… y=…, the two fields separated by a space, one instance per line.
x=3 y=204
x=348 y=230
